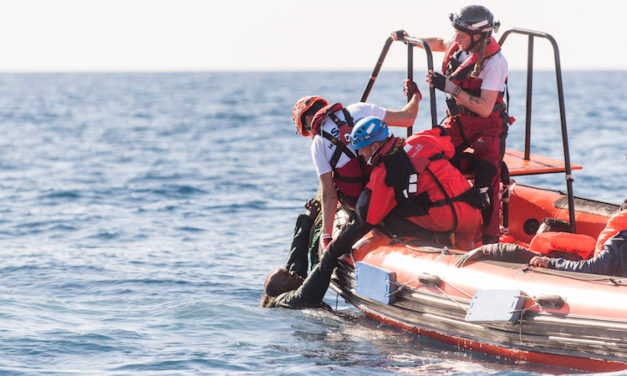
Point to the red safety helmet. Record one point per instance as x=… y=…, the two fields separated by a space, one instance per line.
x=301 y=107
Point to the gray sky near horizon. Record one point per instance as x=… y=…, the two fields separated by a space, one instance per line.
x=188 y=35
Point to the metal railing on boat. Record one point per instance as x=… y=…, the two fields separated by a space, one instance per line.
x=411 y=42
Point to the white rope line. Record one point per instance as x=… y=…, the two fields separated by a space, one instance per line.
x=401 y=285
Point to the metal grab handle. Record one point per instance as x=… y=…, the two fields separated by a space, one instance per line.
x=560 y=93
x=410 y=41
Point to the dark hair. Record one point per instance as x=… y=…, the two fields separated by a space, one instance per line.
x=317 y=106
x=554 y=225
x=267 y=301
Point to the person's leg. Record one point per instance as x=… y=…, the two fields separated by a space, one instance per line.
x=487 y=181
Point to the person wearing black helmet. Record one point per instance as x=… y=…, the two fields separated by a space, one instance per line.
x=474 y=75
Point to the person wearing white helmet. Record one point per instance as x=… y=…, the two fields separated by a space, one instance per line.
x=474 y=75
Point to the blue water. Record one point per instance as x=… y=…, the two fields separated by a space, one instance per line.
x=141 y=212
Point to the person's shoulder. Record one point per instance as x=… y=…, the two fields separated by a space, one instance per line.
x=354 y=107
x=362 y=109
x=317 y=145
x=497 y=59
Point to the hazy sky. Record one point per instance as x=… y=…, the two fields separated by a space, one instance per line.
x=114 y=35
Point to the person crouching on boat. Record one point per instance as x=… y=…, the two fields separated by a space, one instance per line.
x=475 y=77
x=341 y=172
x=413 y=189
x=610 y=254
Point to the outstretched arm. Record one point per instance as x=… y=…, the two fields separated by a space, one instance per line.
x=406 y=116
x=435 y=44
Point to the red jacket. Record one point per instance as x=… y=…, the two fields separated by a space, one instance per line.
x=415 y=178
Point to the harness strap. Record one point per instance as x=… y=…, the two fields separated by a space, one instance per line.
x=469 y=196
x=448 y=198
x=339 y=149
x=351 y=179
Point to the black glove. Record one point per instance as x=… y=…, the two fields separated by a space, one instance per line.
x=398 y=34
x=440 y=82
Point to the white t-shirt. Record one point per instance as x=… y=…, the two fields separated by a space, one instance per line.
x=494 y=71
x=322 y=149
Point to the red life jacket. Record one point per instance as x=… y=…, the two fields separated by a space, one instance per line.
x=460 y=74
x=415 y=169
x=581 y=244
x=351 y=178
x=616 y=224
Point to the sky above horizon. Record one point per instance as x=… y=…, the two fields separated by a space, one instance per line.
x=191 y=35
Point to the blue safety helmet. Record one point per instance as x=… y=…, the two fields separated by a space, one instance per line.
x=368 y=130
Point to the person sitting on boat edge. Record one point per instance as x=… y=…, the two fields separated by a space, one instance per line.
x=610 y=256
x=610 y=251
x=475 y=76
x=413 y=189
x=341 y=172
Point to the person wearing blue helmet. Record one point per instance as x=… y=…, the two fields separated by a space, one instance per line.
x=341 y=173
x=413 y=189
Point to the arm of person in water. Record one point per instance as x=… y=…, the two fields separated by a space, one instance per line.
x=313 y=289
x=611 y=261
x=297 y=258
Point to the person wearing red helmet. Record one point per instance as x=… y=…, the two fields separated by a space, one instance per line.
x=341 y=172
x=474 y=75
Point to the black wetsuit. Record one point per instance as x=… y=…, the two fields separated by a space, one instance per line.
x=297 y=258
x=311 y=292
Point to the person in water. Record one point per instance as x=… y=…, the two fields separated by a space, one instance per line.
x=413 y=188
x=290 y=287
x=475 y=76
x=341 y=172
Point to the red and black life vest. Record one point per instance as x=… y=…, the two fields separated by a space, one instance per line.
x=460 y=74
x=423 y=156
x=351 y=178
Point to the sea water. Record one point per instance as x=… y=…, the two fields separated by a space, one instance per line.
x=141 y=212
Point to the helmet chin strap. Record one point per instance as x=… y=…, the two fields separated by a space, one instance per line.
x=474 y=43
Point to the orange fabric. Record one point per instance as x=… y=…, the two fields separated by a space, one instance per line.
x=419 y=148
x=545 y=242
x=506 y=238
x=616 y=224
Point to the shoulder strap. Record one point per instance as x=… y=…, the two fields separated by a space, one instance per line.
x=323 y=113
x=340 y=148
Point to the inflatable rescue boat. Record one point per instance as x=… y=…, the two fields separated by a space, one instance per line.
x=508 y=310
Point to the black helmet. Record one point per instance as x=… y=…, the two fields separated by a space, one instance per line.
x=474 y=19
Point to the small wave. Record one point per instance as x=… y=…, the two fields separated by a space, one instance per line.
x=69 y=195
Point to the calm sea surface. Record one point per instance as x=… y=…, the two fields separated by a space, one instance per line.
x=140 y=213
